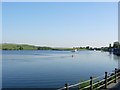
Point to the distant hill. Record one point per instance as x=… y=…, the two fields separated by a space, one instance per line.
x=8 y=46
x=22 y=47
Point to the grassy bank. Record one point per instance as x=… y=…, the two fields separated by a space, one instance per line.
x=28 y=47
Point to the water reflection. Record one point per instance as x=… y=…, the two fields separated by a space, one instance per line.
x=118 y=59
x=110 y=55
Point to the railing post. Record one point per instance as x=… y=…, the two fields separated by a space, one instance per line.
x=91 y=83
x=105 y=80
x=118 y=72
x=115 y=75
x=66 y=85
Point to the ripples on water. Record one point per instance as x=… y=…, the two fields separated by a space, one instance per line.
x=41 y=69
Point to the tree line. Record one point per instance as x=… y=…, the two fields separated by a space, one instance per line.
x=116 y=45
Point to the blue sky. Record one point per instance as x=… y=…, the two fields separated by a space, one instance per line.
x=60 y=24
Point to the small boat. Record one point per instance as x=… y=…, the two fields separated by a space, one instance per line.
x=75 y=50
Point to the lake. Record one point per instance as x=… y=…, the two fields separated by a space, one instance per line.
x=52 y=69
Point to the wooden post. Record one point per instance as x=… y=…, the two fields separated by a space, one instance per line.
x=115 y=75
x=105 y=80
x=66 y=85
x=91 y=83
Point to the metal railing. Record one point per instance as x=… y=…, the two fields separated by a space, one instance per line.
x=97 y=83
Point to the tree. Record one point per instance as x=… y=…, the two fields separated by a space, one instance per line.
x=110 y=46
x=116 y=45
x=20 y=48
x=87 y=47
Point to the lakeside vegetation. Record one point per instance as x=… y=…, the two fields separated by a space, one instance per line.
x=7 y=46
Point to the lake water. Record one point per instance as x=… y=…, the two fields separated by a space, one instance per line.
x=52 y=69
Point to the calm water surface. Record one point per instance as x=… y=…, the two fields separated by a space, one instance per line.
x=52 y=69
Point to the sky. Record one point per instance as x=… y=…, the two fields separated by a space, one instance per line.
x=60 y=24
x=60 y=0
x=119 y=21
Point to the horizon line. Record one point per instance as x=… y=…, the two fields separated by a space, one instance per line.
x=58 y=46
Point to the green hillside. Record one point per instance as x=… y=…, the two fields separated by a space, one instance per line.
x=27 y=47
x=7 y=46
x=18 y=47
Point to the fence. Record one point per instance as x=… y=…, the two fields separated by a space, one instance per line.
x=97 y=83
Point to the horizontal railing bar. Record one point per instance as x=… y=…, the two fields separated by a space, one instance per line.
x=118 y=77
x=98 y=82
x=112 y=75
x=102 y=80
x=82 y=82
x=100 y=86
x=98 y=77
x=78 y=84
x=110 y=81
x=85 y=87
x=117 y=73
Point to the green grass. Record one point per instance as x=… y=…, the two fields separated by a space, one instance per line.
x=28 y=47
x=18 y=47
x=8 y=46
x=81 y=86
